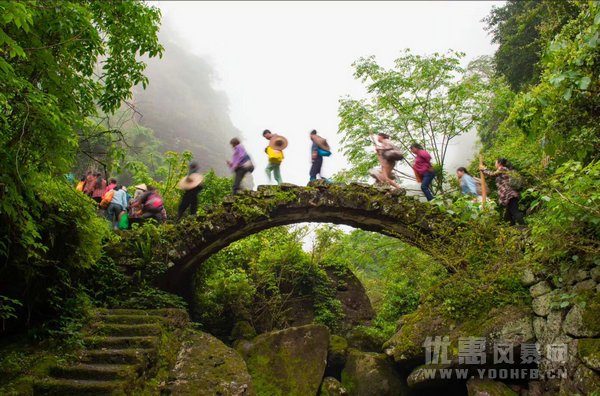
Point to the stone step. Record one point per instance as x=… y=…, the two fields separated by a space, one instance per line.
x=64 y=387
x=131 y=319
x=127 y=330
x=122 y=311
x=119 y=356
x=101 y=372
x=105 y=342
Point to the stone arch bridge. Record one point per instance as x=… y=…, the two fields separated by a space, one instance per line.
x=387 y=211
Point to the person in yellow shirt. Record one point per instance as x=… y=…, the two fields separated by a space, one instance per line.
x=275 y=158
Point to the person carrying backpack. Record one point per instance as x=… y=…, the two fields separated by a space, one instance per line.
x=319 y=149
x=423 y=169
x=152 y=205
x=507 y=190
x=117 y=206
x=191 y=186
x=274 y=154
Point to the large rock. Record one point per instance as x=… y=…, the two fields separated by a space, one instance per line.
x=586 y=380
x=332 y=387
x=429 y=376
x=542 y=305
x=507 y=324
x=582 y=322
x=540 y=289
x=287 y=362
x=365 y=339
x=482 y=387
x=336 y=356
x=368 y=374
x=351 y=293
x=206 y=366
x=588 y=350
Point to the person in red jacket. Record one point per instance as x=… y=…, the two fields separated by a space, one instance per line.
x=423 y=169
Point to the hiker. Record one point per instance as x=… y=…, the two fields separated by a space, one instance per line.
x=319 y=149
x=424 y=172
x=191 y=185
x=152 y=205
x=117 y=206
x=90 y=181
x=112 y=183
x=99 y=187
x=134 y=209
x=241 y=163
x=275 y=154
x=383 y=147
x=81 y=184
x=468 y=185
x=508 y=196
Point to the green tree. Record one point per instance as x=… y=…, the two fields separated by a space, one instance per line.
x=425 y=99
x=521 y=28
x=60 y=63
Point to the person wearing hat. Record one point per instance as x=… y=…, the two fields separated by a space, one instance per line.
x=320 y=148
x=240 y=163
x=191 y=185
x=275 y=153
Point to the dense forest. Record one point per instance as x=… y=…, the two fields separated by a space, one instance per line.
x=80 y=83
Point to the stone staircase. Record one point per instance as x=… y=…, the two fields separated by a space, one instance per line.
x=121 y=352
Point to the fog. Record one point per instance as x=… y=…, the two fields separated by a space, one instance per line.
x=240 y=67
x=182 y=106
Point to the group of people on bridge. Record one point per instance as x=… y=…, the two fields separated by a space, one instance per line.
x=122 y=209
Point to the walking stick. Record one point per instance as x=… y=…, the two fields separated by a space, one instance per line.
x=482 y=178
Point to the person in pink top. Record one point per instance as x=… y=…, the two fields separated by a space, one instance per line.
x=111 y=185
x=99 y=187
x=423 y=169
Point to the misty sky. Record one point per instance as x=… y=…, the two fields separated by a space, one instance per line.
x=284 y=65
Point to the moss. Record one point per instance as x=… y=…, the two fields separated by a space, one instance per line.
x=207 y=366
x=287 y=362
x=590 y=316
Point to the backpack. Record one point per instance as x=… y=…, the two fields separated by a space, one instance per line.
x=392 y=155
x=106 y=199
x=154 y=204
x=275 y=156
x=516 y=181
x=323 y=152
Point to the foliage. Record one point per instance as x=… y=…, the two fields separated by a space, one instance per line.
x=58 y=65
x=521 y=29
x=385 y=266
x=560 y=112
x=567 y=224
x=425 y=99
x=262 y=279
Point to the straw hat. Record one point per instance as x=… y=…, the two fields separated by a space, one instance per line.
x=142 y=187
x=278 y=142
x=191 y=181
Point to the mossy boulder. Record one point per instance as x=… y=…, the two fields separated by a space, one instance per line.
x=353 y=296
x=482 y=387
x=332 y=387
x=507 y=324
x=336 y=356
x=369 y=373
x=206 y=366
x=583 y=321
x=365 y=339
x=243 y=330
x=586 y=380
x=588 y=350
x=288 y=362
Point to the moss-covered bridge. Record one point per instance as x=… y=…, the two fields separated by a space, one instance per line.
x=390 y=212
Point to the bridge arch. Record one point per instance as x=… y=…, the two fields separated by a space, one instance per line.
x=389 y=212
